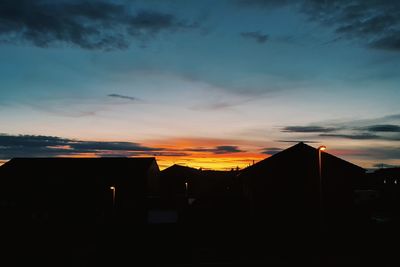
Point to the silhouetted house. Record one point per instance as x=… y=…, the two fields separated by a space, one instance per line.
x=285 y=189
x=177 y=181
x=386 y=177
x=78 y=190
x=175 y=194
x=202 y=195
x=386 y=181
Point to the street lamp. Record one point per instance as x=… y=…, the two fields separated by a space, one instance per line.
x=186 y=188
x=320 y=149
x=113 y=195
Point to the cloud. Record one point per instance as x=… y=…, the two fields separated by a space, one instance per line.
x=266 y=3
x=377 y=23
x=297 y=141
x=383 y=128
x=383 y=153
x=217 y=149
x=31 y=141
x=226 y=149
x=384 y=165
x=49 y=146
x=392 y=117
x=308 y=129
x=374 y=23
x=92 y=146
x=271 y=150
x=92 y=25
x=256 y=36
x=123 y=97
x=363 y=136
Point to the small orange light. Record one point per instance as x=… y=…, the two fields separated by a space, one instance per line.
x=322 y=148
x=112 y=187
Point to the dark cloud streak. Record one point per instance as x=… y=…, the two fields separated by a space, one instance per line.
x=383 y=128
x=92 y=25
x=123 y=97
x=271 y=150
x=217 y=149
x=308 y=129
x=384 y=165
x=266 y=3
x=256 y=36
x=49 y=146
x=363 y=136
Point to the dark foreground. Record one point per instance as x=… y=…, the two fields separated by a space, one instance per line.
x=373 y=244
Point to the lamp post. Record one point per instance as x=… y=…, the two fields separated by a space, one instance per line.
x=113 y=195
x=186 y=189
x=320 y=149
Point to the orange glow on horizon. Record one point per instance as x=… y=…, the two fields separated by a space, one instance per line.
x=198 y=153
x=209 y=161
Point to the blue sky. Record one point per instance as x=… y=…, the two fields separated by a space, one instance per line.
x=234 y=73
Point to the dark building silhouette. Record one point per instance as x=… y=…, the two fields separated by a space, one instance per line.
x=386 y=177
x=386 y=201
x=178 y=181
x=172 y=201
x=289 y=189
x=121 y=211
x=77 y=190
x=199 y=196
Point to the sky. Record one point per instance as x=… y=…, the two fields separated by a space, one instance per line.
x=216 y=84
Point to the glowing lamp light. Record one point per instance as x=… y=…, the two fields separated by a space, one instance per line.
x=322 y=148
x=113 y=194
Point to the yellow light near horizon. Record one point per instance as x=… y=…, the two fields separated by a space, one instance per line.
x=322 y=148
x=210 y=162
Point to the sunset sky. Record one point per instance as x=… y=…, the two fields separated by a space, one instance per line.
x=211 y=83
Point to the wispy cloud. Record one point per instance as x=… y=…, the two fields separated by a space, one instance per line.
x=124 y=97
x=271 y=150
x=383 y=128
x=266 y=3
x=382 y=153
x=217 y=149
x=296 y=141
x=374 y=23
x=384 y=165
x=362 y=136
x=256 y=36
x=308 y=129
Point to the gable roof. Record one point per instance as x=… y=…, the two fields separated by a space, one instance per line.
x=180 y=169
x=297 y=152
x=72 y=165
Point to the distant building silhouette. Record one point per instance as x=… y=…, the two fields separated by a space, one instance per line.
x=78 y=190
x=202 y=195
x=385 y=183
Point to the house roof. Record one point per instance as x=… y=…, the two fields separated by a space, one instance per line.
x=176 y=168
x=84 y=165
x=297 y=152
